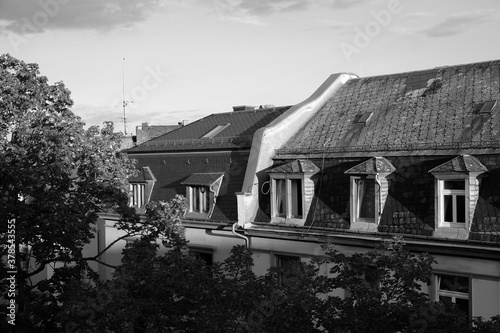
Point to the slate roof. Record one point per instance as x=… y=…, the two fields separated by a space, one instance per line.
x=438 y=110
x=238 y=134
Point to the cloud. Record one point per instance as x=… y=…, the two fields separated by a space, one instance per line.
x=253 y=11
x=457 y=24
x=29 y=16
x=346 y=4
x=418 y=15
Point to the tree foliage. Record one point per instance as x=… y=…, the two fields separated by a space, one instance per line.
x=55 y=175
x=175 y=292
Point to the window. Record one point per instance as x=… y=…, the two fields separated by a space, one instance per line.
x=453 y=202
x=287 y=266
x=292 y=190
x=206 y=257
x=202 y=190
x=288 y=198
x=199 y=199
x=365 y=199
x=137 y=197
x=141 y=187
x=456 y=195
x=214 y=131
x=454 y=289
x=370 y=181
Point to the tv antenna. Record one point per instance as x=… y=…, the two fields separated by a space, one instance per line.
x=124 y=102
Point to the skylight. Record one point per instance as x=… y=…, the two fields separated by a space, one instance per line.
x=365 y=117
x=214 y=131
x=487 y=106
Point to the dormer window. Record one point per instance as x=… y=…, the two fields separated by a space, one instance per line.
x=291 y=191
x=369 y=188
x=202 y=190
x=457 y=192
x=141 y=188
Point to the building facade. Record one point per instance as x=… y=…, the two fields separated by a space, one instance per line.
x=414 y=154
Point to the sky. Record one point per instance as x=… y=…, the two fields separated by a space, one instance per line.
x=180 y=60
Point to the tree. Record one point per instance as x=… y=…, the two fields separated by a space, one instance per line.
x=384 y=293
x=55 y=178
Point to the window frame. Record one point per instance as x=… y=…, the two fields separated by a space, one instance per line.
x=137 y=198
x=355 y=200
x=203 y=199
x=453 y=294
x=440 y=192
x=279 y=264
x=287 y=178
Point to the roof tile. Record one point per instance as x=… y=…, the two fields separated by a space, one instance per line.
x=431 y=109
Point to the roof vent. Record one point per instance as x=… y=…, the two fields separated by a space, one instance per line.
x=365 y=117
x=487 y=106
x=483 y=107
x=243 y=108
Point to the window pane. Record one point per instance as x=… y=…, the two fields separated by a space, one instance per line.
x=366 y=198
x=206 y=199
x=448 y=208
x=445 y=299
x=280 y=196
x=460 y=208
x=296 y=185
x=196 y=199
x=454 y=283
x=463 y=305
x=287 y=267
x=454 y=185
x=205 y=257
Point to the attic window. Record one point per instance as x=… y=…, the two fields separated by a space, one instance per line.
x=483 y=107
x=365 y=118
x=202 y=190
x=214 y=131
x=487 y=106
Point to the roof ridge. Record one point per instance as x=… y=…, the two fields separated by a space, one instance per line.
x=428 y=69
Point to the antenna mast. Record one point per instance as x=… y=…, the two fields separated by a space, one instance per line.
x=123 y=99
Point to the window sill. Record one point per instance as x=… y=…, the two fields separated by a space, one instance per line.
x=294 y=221
x=452 y=232
x=197 y=216
x=364 y=226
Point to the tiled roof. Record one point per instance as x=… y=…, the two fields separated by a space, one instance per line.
x=239 y=133
x=172 y=170
x=462 y=164
x=432 y=110
x=297 y=166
